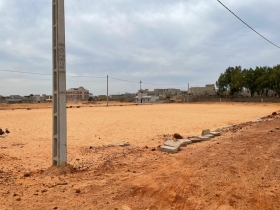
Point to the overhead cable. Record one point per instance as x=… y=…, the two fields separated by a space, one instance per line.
x=146 y=83
x=248 y=25
x=27 y=72
x=124 y=80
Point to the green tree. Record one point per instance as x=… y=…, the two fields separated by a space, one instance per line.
x=258 y=80
x=222 y=84
x=237 y=81
x=274 y=79
x=262 y=79
x=249 y=80
x=231 y=80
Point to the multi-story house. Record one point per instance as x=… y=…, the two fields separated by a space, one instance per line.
x=207 y=90
x=77 y=94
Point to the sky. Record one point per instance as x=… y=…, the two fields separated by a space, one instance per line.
x=165 y=43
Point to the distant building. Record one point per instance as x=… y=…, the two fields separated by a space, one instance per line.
x=202 y=91
x=115 y=97
x=2 y=99
x=167 y=94
x=168 y=91
x=128 y=97
x=48 y=98
x=39 y=98
x=144 y=98
x=102 y=98
x=77 y=94
x=14 y=99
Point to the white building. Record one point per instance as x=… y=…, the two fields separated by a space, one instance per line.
x=144 y=98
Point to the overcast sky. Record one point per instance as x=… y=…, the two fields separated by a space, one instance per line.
x=156 y=41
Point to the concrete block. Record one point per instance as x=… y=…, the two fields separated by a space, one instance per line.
x=219 y=129
x=185 y=142
x=172 y=143
x=123 y=144
x=169 y=149
x=210 y=135
x=205 y=138
x=230 y=126
x=195 y=139
x=215 y=133
x=204 y=132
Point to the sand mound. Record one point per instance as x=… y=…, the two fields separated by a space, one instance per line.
x=56 y=171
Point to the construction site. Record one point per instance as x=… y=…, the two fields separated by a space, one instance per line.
x=165 y=146
x=114 y=160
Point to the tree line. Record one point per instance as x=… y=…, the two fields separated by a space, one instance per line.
x=259 y=80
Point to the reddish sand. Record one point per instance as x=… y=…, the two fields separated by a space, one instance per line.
x=235 y=171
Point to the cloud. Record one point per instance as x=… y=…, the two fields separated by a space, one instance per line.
x=155 y=41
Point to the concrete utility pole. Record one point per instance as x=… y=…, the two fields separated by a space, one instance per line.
x=59 y=143
x=107 y=90
x=140 y=85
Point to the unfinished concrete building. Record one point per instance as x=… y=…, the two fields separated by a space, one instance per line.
x=203 y=91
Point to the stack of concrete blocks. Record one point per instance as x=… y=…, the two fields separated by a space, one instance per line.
x=205 y=135
x=195 y=139
x=172 y=147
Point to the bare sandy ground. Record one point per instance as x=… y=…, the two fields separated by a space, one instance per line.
x=140 y=125
x=112 y=177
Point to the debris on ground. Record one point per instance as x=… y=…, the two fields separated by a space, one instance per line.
x=124 y=144
x=177 y=136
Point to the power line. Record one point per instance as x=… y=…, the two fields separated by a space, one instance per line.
x=124 y=80
x=24 y=72
x=146 y=83
x=163 y=84
x=27 y=72
x=248 y=25
x=85 y=76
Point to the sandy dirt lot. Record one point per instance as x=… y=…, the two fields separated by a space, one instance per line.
x=238 y=170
